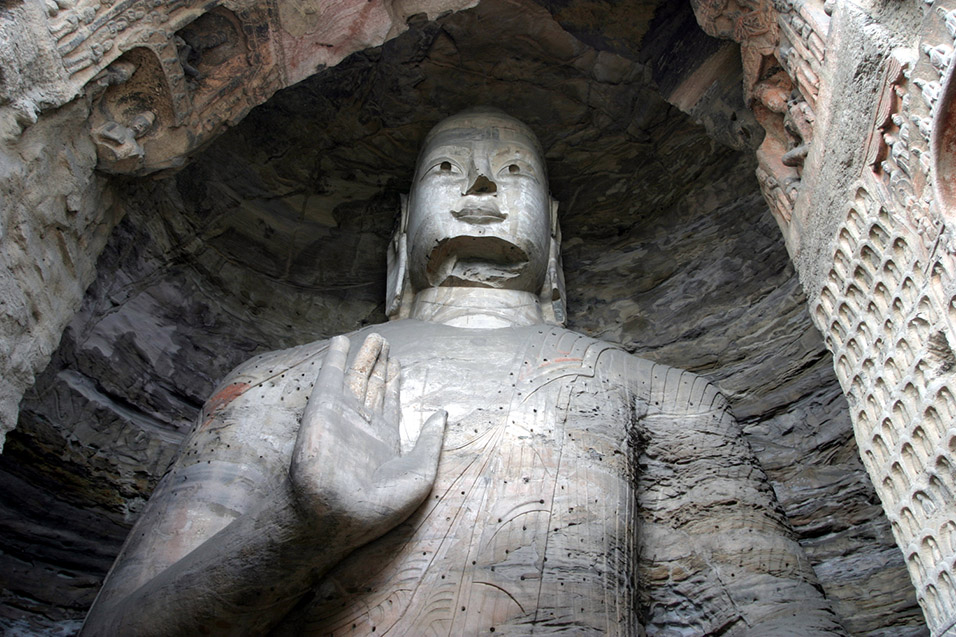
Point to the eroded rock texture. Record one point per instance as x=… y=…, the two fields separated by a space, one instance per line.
x=276 y=234
x=55 y=217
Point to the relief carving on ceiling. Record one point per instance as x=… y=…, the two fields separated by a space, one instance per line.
x=163 y=79
x=782 y=48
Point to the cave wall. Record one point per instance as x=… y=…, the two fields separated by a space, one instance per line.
x=57 y=214
x=274 y=237
x=266 y=241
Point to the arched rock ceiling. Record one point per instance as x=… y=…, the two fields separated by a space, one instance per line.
x=275 y=235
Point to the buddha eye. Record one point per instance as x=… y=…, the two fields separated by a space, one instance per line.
x=516 y=169
x=443 y=168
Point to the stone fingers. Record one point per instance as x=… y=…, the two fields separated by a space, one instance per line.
x=312 y=445
x=328 y=384
x=382 y=400
x=375 y=393
x=357 y=377
x=391 y=405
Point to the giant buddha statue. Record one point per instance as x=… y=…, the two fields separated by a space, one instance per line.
x=470 y=467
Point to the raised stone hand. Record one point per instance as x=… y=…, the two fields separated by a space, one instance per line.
x=347 y=471
x=347 y=484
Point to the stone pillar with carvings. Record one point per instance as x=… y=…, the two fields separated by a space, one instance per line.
x=872 y=198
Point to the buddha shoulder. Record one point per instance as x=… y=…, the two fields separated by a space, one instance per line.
x=276 y=365
x=661 y=387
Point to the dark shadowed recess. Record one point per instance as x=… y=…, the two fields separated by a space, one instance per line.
x=275 y=235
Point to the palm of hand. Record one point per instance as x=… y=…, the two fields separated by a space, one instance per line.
x=347 y=471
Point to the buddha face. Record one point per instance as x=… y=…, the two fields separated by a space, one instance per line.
x=479 y=208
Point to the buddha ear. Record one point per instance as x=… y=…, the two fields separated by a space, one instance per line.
x=397 y=291
x=553 y=293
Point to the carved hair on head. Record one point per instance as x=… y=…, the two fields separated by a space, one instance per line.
x=399 y=293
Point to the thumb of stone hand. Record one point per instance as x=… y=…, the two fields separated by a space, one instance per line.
x=408 y=479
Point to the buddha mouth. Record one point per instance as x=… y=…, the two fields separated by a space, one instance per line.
x=479 y=215
x=476 y=262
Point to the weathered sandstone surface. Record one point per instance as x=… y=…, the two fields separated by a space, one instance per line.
x=273 y=236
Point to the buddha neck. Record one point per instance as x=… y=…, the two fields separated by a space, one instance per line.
x=479 y=308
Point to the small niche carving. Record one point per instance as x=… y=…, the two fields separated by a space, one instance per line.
x=939 y=351
x=134 y=105
x=212 y=52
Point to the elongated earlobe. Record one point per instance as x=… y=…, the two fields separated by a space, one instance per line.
x=398 y=288
x=552 y=294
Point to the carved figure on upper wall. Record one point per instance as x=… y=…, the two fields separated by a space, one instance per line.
x=470 y=467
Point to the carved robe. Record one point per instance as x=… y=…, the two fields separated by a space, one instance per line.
x=532 y=526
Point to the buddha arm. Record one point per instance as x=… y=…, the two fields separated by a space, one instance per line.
x=234 y=535
x=240 y=581
x=713 y=534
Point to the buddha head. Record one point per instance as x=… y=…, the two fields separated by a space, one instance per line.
x=479 y=214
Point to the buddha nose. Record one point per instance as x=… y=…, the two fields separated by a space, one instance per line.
x=482 y=186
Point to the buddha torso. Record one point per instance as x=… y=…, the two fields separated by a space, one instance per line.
x=530 y=525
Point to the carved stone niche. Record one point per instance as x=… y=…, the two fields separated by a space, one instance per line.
x=212 y=51
x=135 y=108
x=160 y=101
